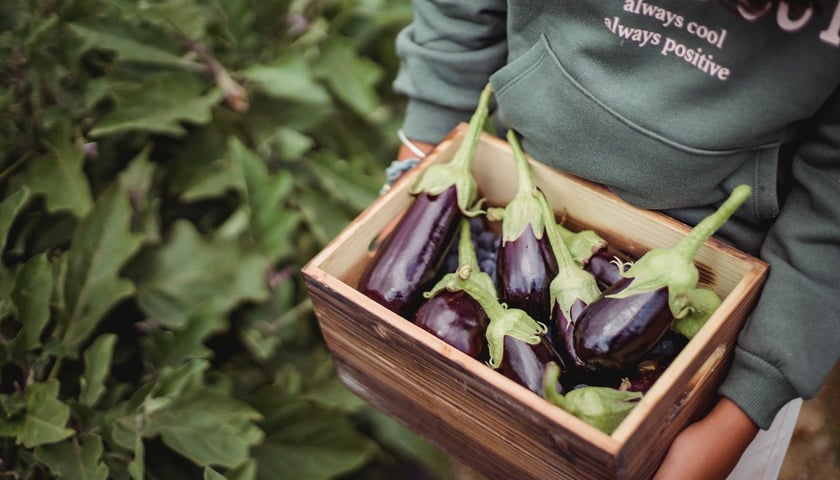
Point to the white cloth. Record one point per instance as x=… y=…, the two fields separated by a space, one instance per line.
x=763 y=458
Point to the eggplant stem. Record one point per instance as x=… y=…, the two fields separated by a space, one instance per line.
x=466 y=251
x=464 y=156
x=690 y=244
x=558 y=246
x=525 y=178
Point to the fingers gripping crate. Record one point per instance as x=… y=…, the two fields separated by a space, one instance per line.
x=477 y=415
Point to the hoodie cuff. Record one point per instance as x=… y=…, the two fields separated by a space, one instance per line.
x=430 y=123
x=757 y=387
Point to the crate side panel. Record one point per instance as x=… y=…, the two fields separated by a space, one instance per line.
x=446 y=403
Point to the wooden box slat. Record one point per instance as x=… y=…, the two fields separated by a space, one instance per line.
x=474 y=413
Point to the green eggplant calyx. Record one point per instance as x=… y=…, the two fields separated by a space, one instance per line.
x=511 y=322
x=525 y=208
x=702 y=303
x=458 y=171
x=602 y=407
x=674 y=267
x=571 y=285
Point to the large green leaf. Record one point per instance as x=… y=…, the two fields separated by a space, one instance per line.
x=76 y=458
x=311 y=443
x=194 y=275
x=44 y=419
x=355 y=188
x=59 y=174
x=159 y=105
x=130 y=50
x=290 y=78
x=272 y=223
x=323 y=216
x=101 y=245
x=207 y=427
x=185 y=16
x=31 y=296
x=9 y=208
x=351 y=77
x=98 y=359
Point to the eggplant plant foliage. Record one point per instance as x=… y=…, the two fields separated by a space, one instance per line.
x=166 y=166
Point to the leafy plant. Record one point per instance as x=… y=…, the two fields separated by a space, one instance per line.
x=165 y=169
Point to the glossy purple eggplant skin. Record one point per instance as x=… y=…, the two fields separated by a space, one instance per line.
x=525 y=363
x=457 y=319
x=564 y=331
x=525 y=269
x=617 y=332
x=409 y=259
x=602 y=266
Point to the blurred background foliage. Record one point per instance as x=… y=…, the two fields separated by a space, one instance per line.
x=166 y=168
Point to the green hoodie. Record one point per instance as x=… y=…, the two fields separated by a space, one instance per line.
x=671 y=104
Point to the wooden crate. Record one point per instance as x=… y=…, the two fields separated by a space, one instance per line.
x=474 y=413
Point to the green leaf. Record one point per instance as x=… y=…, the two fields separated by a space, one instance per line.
x=352 y=78
x=101 y=245
x=165 y=347
x=44 y=419
x=356 y=189
x=398 y=438
x=311 y=443
x=272 y=224
x=185 y=16
x=9 y=208
x=137 y=180
x=290 y=78
x=207 y=427
x=31 y=296
x=59 y=174
x=210 y=474
x=98 y=359
x=159 y=105
x=192 y=275
x=130 y=50
x=77 y=458
x=246 y=471
x=323 y=216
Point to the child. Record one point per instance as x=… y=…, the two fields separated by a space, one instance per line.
x=671 y=104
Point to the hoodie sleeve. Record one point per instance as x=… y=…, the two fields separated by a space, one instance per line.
x=446 y=57
x=792 y=339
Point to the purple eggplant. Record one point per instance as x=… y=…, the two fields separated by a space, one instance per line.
x=525 y=363
x=408 y=261
x=505 y=322
x=627 y=321
x=526 y=263
x=410 y=258
x=615 y=332
x=457 y=319
x=606 y=267
x=451 y=314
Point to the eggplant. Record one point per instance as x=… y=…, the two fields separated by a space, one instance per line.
x=615 y=332
x=526 y=263
x=410 y=258
x=505 y=322
x=605 y=267
x=451 y=314
x=457 y=319
x=659 y=289
x=525 y=363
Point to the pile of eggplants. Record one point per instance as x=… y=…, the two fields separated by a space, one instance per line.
x=560 y=313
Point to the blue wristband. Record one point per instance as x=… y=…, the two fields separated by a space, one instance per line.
x=396 y=169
